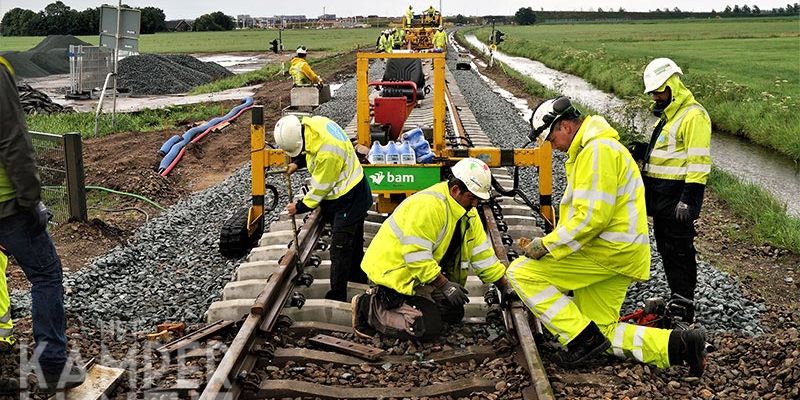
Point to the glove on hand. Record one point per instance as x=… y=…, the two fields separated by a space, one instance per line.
x=533 y=248
x=682 y=213
x=40 y=216
x=454 y=293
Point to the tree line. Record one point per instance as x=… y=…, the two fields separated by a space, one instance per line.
x=744 y=10
x=60 y=19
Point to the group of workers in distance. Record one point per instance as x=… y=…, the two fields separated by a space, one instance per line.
x=575 y=278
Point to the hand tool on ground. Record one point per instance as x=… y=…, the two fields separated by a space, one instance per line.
x=297 y=264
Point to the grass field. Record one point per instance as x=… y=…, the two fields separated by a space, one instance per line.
x=766 y=217
x=746 y=72
x=231 y=41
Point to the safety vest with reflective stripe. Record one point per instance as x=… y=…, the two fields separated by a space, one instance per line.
x=7 y=191
x=302 y=72
x=386 y=43
x=439 y=40
x=408 y=247
x=683 y=149
x=5 y=302
x=602 y=212
x=331 y=161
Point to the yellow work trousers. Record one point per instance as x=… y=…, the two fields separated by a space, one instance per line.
x=5 y=302
x=598 y=296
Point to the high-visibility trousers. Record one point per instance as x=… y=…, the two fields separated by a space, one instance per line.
x=598 y=296
x=5 y=302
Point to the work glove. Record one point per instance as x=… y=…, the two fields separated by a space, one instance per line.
x=507 y=294
x=683 y=213
x=40 y=216
x=454 y=293
x=533 y=248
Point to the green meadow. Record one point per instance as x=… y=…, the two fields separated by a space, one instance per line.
x=746 y=72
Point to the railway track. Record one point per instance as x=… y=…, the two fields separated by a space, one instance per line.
x=294 y=343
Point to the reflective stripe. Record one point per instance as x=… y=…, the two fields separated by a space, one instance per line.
x=671 y=155
x=673 y=130
x=333 y=149
x=556 y=308
x=482 y=247
x=485 y=263
x=6 y=318
x=417 y=256
x=619 y=337
x=540 y=297
x=314 y=197
x=699 y=168
x=417 y=241
x=699 y=152
x=465 y=264
x=594 y=195
x=622 y=237
x=638 y=340
x=5 y=332
x=663 y=170
x=319 y=186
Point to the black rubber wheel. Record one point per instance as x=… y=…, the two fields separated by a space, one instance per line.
x=234 y=242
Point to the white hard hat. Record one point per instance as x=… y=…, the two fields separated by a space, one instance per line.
x=302 y=50
x=548 y=112
x=476 y=176
x=657 y=72
x=289 y=135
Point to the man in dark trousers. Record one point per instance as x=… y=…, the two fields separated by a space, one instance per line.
x=23 y=235
x=677 y=161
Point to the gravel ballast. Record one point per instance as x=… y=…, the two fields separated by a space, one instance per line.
x=154 y=74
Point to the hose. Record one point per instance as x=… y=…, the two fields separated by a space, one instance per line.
x=135 y=196
x=175 y=147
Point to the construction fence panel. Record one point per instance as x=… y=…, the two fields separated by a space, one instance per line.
x=59 y=159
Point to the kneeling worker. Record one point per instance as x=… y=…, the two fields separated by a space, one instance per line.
x=600 y=245
x=338 y=187
x=300 y=70
x=421 y=256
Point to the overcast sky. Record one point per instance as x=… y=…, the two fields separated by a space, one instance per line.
x=175 y=9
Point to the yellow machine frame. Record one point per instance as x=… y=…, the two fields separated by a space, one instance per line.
x=540 y=157
x=261 y=157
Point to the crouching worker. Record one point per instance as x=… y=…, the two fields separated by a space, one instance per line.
x=420 y=258
x=600 y=245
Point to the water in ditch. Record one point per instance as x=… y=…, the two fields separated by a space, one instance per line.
x=746 y=160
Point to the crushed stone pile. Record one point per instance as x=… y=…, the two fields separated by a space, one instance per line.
x=49 y=57
x=153 y=74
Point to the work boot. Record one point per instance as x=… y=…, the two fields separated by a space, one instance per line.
x=54 y=381
x=688 y=346
x=8 y=385
x=360 y=313
x=7 y=345
x=587 y=345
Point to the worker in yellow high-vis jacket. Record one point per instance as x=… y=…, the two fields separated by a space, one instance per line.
x=6 y=325
x=301 y=71
x=599 y=246
x=677 y=161
x=440 y=39
x=338 y=187
x=420 y=258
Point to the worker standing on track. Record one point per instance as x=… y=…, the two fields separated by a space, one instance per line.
x=677 y=161
x=600 y=245
x=409 y=16
x=300 y=70
x=338 y=187
x=440 y=39
x=421 y=255
x=23 y=235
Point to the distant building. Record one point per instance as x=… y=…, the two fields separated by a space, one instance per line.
x=327 y=17
x=245 y=21
x=179 y=25
x=291 y=18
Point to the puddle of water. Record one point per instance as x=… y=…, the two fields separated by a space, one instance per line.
x=744 y=159
x=236 y=64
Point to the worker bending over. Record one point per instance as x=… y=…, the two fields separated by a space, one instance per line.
x=420 y=258
x=677 y=161
x=599 y=246
x=338 y=187
x=300 y=70
x=385 y=42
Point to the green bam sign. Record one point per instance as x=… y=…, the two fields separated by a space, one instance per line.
x=386 y=177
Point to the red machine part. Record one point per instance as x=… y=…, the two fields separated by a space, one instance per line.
x=393 y=111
